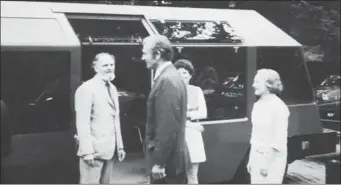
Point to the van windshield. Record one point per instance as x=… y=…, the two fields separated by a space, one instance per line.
x=197 y=31
x=289 y=63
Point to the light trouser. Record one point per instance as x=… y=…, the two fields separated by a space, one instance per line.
x=192 y=173
x=275 y=163
x=99 y=174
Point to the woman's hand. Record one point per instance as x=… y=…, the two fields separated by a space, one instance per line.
x=198 y=127
x=195 y=125
x=264 y=172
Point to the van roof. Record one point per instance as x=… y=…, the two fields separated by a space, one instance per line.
x=255 y=29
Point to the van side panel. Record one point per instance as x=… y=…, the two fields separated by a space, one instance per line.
x=41 y=158
x=225 y=146
x=304 y=119
x=305 y=133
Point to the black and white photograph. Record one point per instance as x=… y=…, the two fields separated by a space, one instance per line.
x=170 y=92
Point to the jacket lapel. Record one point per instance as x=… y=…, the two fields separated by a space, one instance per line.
x=157 y=81
x=164 y=71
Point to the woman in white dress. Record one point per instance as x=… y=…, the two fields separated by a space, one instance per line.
x=268 y=155
x=196 y=110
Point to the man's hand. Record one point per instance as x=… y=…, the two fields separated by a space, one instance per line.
x=89 y=159
x=158 y=172
x=121 y=154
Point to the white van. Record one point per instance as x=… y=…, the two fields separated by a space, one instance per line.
x=47 y=50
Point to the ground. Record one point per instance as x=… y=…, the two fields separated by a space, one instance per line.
x=307 y=171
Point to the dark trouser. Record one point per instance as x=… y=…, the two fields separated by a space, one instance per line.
x=178 y=179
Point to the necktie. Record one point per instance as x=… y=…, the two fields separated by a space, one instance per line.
x=107 y=84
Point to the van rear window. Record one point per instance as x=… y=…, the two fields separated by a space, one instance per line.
x=197 y=31
x=35 y=86
x=108 y=30
x=289 y=63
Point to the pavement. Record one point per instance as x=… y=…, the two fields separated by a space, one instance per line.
x=309 y=170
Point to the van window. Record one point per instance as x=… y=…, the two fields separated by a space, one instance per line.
x=289 y=63
x=220 y=73
x=35 y=85
x=181 y=31
x=108 y=30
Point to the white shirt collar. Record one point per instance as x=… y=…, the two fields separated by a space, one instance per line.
x=161 y=68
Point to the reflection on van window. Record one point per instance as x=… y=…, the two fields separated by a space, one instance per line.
x=197 y=31
x=220 y=73
x=331 y=80
x=109 y=31
x=35 y=86
x=289 y=63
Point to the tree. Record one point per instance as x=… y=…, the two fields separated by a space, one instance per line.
x=312 y=23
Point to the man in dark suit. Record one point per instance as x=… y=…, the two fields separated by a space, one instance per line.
x=166 y=114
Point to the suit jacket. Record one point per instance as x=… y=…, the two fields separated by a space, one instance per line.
x=97 y=119
x=166 y=118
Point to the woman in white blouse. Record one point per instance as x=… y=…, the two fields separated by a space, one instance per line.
x=196 y=110
x=268 y=155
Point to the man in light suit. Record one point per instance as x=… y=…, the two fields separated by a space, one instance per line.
x=98 y=123
x=166 y=114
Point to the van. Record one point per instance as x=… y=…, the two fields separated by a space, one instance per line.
x=47 y=50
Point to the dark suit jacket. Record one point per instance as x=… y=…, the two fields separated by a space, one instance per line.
x=166 y=118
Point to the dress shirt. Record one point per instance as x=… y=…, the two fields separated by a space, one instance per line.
x=160 y=68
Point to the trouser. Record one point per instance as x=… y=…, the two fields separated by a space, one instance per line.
x=176 y=179
x=275 y=164
x=98 y=174
x=192 y=173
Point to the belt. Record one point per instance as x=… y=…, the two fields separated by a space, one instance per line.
x=192 y=120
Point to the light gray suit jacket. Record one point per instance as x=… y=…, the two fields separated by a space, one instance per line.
x=97 y=119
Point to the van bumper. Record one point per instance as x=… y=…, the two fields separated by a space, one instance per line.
x=312 y=145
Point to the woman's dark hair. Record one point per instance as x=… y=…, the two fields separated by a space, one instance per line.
x=186 y=64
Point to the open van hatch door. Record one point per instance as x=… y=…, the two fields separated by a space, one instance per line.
x=39 y=32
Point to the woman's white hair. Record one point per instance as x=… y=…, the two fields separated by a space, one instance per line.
x=272 y=80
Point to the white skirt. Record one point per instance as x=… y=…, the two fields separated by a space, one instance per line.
x=195 y=145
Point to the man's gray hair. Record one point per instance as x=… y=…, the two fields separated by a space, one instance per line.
x=160 y=44
x=99 y=55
